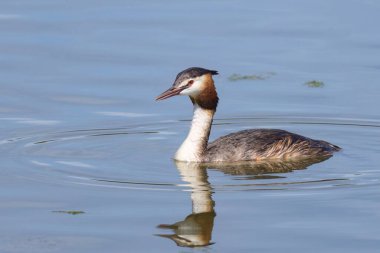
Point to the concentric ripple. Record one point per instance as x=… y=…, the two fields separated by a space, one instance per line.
x=138 y=157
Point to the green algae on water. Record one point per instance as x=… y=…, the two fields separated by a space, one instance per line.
x=72 y=212
x=315 y=84
x=239 y=77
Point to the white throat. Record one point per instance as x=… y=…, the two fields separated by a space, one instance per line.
x=195 y=143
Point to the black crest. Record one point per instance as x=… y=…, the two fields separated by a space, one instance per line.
x=192 y=73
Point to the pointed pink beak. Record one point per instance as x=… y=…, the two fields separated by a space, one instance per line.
x=172 y=91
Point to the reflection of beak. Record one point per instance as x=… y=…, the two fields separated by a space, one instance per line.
x=172 y=91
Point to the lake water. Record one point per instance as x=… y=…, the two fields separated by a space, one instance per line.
x=86 y=151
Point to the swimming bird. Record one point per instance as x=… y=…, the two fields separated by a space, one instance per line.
x=245 y=145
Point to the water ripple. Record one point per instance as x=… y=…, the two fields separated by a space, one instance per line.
x=138 y=157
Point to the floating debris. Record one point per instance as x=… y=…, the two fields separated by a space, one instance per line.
x=72 y=212
x=315 y=84
x=238 y=77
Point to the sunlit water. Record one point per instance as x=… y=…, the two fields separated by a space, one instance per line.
x=86 y=151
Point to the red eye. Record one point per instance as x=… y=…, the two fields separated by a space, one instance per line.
x=190 y=82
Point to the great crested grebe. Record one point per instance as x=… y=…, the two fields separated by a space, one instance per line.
x=246 y=145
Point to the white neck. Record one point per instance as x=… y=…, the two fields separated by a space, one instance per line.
x=195 y=143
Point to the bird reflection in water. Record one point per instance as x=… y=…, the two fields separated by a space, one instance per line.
x=196 y=229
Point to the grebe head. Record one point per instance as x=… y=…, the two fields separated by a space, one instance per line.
x=197 y=83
